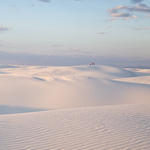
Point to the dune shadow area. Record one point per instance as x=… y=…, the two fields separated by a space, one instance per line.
x=40 y=79
x=8 y=66
x=4 y=73
x=5 y=109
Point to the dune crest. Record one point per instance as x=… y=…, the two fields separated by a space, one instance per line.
x=104 y=127
x=76 y=99
x=45 y=87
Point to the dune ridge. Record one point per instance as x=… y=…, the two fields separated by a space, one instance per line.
x=78 y=107
x=103 y=127
x=45 y=87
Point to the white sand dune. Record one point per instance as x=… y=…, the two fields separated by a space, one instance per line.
x=69 y=87
x=80 y=119
x=142 y=76
x=105 y=127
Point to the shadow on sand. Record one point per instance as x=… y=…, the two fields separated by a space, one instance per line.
x=5 y=109
x=8 y=66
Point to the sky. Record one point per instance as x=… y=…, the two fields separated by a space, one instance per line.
x=116 y=28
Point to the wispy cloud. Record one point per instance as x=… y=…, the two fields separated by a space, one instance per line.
x=44 y=0
x=116 y=14
x=107 y=27
x=4 y=43
x=112 y=19
x=57 y=45
x=76 y=49
x=116 y=11
x=119 y=14
x=142 y=28
x=140 y=8
x=13 y=5
x=1 y=43
x=5 y=28
x=148 y=16
x=133 y=16
x=101 y=33
x=136 y=1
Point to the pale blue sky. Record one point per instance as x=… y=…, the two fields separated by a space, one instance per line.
x=100 y=27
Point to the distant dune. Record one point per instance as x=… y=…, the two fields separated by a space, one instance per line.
x=45 y=107
x=68 y=87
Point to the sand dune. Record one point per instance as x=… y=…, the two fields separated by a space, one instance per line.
x=68 y=87
x=142 y=76
x=46 y=107
x=105 y=127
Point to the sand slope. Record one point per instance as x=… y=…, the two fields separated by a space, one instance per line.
x=104 y=127
x=68 y=87
x=29 y=95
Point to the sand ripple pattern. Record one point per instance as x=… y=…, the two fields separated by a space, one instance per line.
x=105 y=127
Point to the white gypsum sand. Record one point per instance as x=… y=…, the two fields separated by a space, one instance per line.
x=80 y=119
x=105 y=127
x=68 y=87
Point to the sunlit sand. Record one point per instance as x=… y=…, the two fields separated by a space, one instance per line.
x=77 y=107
